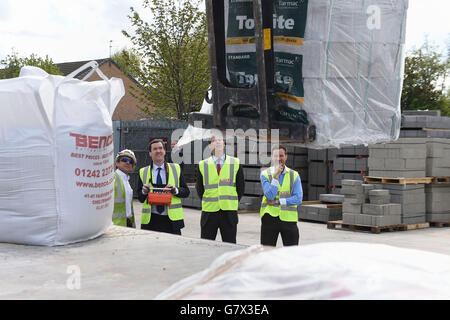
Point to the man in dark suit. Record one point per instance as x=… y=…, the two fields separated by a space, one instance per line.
x=160 y=174
x=220 y=184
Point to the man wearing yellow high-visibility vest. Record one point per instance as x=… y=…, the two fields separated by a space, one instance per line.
x=160 y=174
x=220 y=185
x=123 y=214
x=283 y=192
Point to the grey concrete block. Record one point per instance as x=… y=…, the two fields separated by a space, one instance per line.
x=378 y=192
x=397 y=173
x=349 y=218
x=348 y=182
x=331 y=198
x=352 y=189
x=381 y=210
x=443 y=217
x=351 y=208
x=380 y=200
x=383 y=221
x=366 y=188
x=420 y=219
x=354 y=198
x=350 y=164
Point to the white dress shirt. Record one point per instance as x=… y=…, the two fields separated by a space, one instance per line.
x=221 y=161
x=128 y=191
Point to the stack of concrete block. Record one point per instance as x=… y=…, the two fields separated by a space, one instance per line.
x=354 y=198
x=424 y=124
x=320 y=168
x=437 y=203
x=323 y=211
x=404 y=158
x=411 y=197
x=351 y=163
x=378 y=212
x=438 y=157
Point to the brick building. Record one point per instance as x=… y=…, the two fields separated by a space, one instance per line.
x=127 y=109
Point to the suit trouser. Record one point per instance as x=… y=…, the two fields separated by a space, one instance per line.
x=225 y=221
x=272 y=226
x=161 y=223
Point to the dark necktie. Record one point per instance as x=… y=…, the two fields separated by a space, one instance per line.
x=160 y=209
x=218 y=168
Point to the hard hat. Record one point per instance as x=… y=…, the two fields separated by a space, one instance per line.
x=127 y=153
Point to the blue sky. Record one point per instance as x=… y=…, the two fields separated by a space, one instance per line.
x=72 y=30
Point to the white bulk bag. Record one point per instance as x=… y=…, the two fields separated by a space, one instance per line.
x=56 y=151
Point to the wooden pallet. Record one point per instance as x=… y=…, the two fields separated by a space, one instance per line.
x=440 y=224
x=439 y=180
x=401 y=181
x=374 y=229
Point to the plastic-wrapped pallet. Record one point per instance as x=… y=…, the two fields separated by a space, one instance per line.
x=332 y=270
x=342 y=62
x=57 y=155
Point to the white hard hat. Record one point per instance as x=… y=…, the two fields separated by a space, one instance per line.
x=127 y=153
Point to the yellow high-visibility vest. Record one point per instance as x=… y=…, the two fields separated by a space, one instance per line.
x=175 y=210
x=286 y=213
x=220 y=190
x=119 y=217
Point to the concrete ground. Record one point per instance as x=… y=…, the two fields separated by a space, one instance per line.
x=429 y=239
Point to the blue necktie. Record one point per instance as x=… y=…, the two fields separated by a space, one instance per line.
x=160 y=209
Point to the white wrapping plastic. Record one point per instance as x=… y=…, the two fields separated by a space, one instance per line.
x=56 y=151
x=352 y=66
x=332 y=270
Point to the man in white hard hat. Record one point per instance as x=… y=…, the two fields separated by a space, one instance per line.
x=123 y=214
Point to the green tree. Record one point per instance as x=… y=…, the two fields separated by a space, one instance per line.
x=175 y=70
x=129 y=61
x=11 y=65
x=426 y=72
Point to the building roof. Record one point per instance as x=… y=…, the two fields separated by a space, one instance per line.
x=67 y=67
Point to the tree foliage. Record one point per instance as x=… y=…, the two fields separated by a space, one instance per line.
x=426 y=72
x=129 y=61
x=12 y=64
x=174 y=70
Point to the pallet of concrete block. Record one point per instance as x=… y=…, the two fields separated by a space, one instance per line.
x=350 y=163
x=402 y=158
x=408 y=192
x=424 y=124
x=437 y=197
x=368 y=207
x=328 y=208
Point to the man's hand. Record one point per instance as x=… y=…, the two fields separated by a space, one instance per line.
x=273 y=202
x=145 y=188
x=278 y=170
x=172 y=188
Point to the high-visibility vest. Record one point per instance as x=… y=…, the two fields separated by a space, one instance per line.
x=220 y=190
x=119 y=217
x=286 y=213
x=175 y=210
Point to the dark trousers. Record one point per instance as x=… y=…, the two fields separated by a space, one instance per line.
x=162 y=223
x=272 y=226
x=225 y=221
